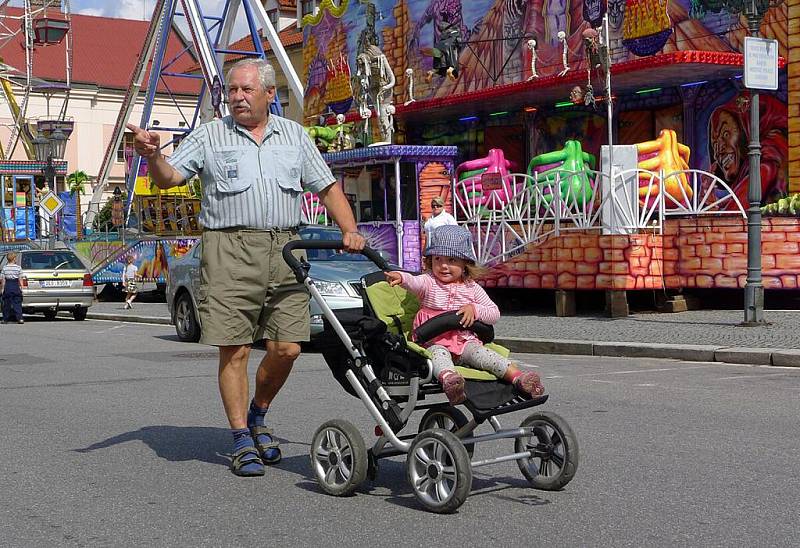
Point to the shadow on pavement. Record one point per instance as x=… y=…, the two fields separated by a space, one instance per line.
x=176 y=443
x=392 y=477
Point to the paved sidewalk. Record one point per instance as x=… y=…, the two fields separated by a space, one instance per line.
x=701 y=335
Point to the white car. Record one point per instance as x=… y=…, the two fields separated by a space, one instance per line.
x=337 y=276
x=54 y=280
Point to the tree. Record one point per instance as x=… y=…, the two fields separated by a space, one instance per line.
x=75 y=182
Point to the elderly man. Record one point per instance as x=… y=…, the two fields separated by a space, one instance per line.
x=439 y=217
x=254 y=167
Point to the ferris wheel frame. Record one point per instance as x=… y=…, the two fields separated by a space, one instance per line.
x=19 y=83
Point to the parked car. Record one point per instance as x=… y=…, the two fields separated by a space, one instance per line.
x=54 y=280
x=337 y=275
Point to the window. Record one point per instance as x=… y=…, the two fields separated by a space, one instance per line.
x=46 y=260
x=126 y=144
x=274 y=17
x=177 y=138
x=308 y=7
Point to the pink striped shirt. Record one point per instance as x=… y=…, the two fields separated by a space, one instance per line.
x=437 y=298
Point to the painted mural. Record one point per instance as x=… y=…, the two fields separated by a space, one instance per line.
x=723 y=123
x=151 y=256
x=493 y=37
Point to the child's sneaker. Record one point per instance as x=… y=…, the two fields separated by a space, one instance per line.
x=453 y=386
x=529 y=383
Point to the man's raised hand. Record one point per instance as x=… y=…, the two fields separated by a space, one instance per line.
x=146 y=143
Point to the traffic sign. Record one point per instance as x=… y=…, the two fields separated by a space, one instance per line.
x=51 y=203
x=760 y=63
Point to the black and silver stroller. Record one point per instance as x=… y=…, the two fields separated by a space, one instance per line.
x=371 y=354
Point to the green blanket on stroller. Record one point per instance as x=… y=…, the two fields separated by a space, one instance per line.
x=397 y=308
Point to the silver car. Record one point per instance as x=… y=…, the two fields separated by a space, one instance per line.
x=54 y=280
x=337 y=276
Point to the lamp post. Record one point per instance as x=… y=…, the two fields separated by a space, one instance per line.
x=47 y=149
x=754 y=11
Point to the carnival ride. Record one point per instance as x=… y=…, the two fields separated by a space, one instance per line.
x=166 y=220
x=39 y=23
x=35 y=25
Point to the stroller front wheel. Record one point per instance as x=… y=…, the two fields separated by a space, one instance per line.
x=338 y=457
x=439 y=471
x=553 y=448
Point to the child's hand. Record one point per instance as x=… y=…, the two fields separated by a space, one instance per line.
x=467 y=313
x=394 y=278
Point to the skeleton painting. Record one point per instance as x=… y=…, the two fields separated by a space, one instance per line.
x=375 y=80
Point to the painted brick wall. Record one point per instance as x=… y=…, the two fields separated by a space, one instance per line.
x=704 y=253
x=794 y=95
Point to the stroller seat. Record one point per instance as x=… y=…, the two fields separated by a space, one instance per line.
x=397 y=308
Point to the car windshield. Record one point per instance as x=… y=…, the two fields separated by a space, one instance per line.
x=49 y=260
x=327 y=234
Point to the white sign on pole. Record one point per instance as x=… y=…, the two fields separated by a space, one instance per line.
x=760 y=63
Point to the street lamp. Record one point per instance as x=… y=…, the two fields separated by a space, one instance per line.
x=754 y=11
x=47 y=149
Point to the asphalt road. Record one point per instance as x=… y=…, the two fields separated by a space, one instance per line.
x=113 y=434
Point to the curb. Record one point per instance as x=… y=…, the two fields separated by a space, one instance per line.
x=784 y=357
x=160 y=320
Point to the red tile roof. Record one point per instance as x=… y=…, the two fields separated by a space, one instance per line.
x=104 y=53
x=290 y=36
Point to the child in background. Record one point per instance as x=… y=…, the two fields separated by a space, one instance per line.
x=448 y=285
x=129 y=275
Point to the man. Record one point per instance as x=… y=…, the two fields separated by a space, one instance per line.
x=439 y=217
x=251 y=165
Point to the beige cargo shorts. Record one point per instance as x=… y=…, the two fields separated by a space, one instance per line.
x=247 y=291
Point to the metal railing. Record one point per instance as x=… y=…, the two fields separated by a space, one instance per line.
x=527 y=209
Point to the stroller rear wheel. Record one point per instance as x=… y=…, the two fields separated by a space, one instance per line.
x=554 y=451
x=439 y=471
x=338 y=457
x=448 y=418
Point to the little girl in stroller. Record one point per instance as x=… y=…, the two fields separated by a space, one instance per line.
x=448 y=285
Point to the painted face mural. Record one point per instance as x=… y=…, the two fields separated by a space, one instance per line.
x=616 y=11
x=729 y=133
x=727 y=144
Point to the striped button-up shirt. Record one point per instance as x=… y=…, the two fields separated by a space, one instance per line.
x=250 y=184
x=11 y=271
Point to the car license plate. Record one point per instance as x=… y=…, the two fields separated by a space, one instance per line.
x=54 y=283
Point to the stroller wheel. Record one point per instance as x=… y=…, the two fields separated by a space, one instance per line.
x=439 y=471
x=447 y=418
x=553 y=448
x=338 y=457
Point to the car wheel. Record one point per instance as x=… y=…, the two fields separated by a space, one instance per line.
x=80 y=313
x=186 y=326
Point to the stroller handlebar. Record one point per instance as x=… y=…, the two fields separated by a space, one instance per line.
x=299 y=270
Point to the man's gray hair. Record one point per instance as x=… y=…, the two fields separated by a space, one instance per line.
x=266 y=74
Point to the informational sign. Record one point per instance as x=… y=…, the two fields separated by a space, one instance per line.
x=51 y=203
x=760 y=63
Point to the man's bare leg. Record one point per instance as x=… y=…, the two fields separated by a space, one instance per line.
x=273 y=370
x=272 y=373
x=233 y=385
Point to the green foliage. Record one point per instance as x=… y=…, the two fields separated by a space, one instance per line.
x=75 y=182
x=196 y=187
x=788 y=206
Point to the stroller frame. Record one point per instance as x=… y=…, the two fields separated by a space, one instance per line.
x=439 y=463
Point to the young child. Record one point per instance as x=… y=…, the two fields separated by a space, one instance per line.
x=129 y=275
x=10 y=277
x=448 y=285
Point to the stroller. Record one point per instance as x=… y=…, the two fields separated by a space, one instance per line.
x=371 y=353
